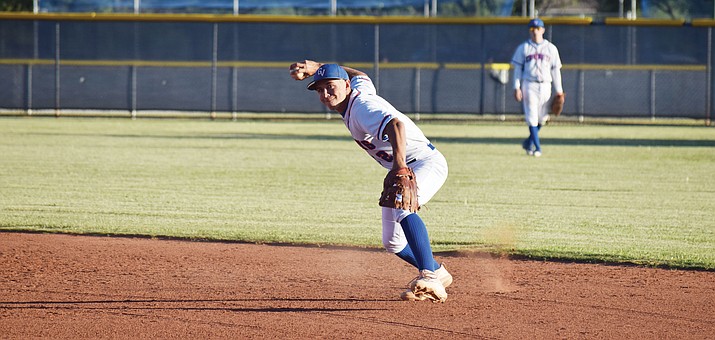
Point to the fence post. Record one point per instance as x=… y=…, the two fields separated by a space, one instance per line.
x=709 y=77
x=57 y=69
x=376 y=58
x=652 y=94
x=29 y=89
x=135 y=52
x=214 y=61
x=35 y=55
x=234 y=75
x=418 y=89
x=482 y=80
x=581 y=94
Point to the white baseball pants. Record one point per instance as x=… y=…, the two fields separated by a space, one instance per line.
x=536 y=102
x=431 y=173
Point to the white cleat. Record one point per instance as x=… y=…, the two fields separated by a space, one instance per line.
x=429 y=285
x=409 y=295
x=427 y=289
x=537 y=153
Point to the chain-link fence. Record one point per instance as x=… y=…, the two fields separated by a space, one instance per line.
x=239 y=64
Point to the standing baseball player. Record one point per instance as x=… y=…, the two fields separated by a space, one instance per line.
x=417 y=169
x=537 y=68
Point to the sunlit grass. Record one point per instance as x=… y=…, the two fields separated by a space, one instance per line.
x=639 y=194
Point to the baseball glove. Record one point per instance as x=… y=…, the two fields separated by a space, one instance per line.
x=400 y=190
x=557 y=104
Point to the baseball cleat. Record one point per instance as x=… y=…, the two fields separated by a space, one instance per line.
x=430 y=285
x=442 y=275
x=409 y=295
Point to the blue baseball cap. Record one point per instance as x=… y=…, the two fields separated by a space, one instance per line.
x=328 y=71
x=536 y=22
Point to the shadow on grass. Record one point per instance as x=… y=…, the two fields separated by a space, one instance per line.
x=582 y=141
x=515 y=141
x=636 y=142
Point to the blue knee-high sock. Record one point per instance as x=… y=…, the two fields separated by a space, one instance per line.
x=534 y=136
x=418 y=240
x=527 y=144
x=407 y=255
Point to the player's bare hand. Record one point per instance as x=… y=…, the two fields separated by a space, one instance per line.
x=303 y=69
x=518 y=95
x=297 y=72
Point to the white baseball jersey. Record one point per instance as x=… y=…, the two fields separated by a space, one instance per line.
x=539 y=66
x=367 y=116
x=538 y=63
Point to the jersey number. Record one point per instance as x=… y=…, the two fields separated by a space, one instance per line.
x=369 y=146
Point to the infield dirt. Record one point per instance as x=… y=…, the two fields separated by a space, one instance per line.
x=63 y=286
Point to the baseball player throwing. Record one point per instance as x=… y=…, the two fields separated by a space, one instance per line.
x=396 y=143
x=537 y=67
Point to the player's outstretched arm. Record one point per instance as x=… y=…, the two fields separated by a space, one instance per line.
x=302 y=70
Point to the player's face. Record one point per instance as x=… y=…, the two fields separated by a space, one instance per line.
x=333 y=93
x=537 y=33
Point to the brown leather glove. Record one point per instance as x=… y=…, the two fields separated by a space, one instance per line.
x=557 y=104
x=400 y=190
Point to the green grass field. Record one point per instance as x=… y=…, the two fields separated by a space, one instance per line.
x=618 y=193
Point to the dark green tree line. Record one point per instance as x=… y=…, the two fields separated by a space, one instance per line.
x=667 y=9
x=15 y=5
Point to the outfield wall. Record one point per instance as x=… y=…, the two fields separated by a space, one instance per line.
x=215 y=63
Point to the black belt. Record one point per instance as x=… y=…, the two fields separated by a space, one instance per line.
x=415 y=159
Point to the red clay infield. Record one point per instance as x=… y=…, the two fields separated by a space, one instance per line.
x=62 y=286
